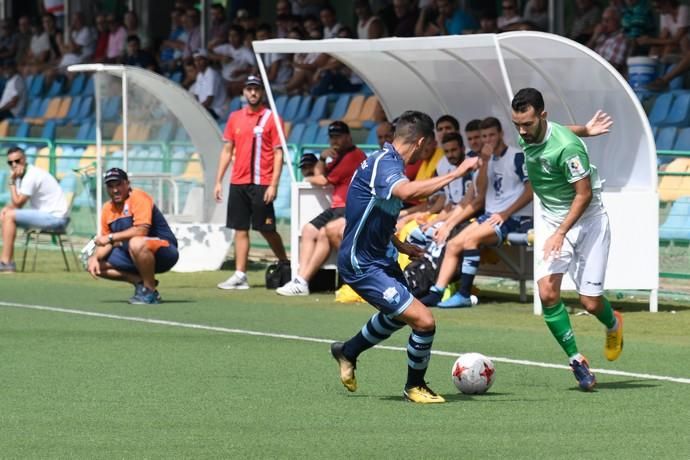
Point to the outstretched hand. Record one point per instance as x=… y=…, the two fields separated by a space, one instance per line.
x=600 y=123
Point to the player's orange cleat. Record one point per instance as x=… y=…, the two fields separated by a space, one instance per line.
x=422 y=394
x=614 y=340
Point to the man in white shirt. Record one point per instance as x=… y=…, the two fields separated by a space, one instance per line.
x=81 y=44
x=237 y=59
x=13 y=97
x=209 y=88
x=48 y=204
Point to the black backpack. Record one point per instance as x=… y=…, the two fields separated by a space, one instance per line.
x=278 y=274
x=420 y=275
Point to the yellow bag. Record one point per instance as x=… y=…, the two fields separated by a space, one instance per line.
x=347 y=295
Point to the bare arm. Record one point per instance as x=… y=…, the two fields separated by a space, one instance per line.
x=223 y=163
x=413 y=190
x=599 y=124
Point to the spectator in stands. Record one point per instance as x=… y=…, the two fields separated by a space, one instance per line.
x=253 y=146
x=488 y=23
x=662 y=83
x=136 y=241
x=406 y=14
x=369 y=26
x=8 y=40
x=28 y=183
x=218 y=33
x=307 y=7
x=510 y=14
x=23 y=40
x=278 y=69
x=189 y=78
x=452 y=20
x=587 y=16
x=283 y=7
x=283 y=25
x=336 y=166
x=137 y=57
x=427 y=21
x=609 y=41
x=133 y=27
x=672 y=40
x=537 y=13
x=311 y=24
x=331 y=26
x=304 y=66
x=54 y=36
x=209 y=89
x=13 y=98
x=507 y=195
x=39 y=49
x=192 y=35
x=307 y=164
x=117 y=39
x=102 y=34
x=637 y=20
x=81 y=43
x=236 y=59
x=384 y=133
x=172 y=48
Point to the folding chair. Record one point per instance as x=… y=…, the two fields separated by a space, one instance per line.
x=60 y=234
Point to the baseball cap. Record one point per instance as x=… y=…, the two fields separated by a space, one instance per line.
x=201 y=52
x=115 y=174
x=338 y=127
x=253 y=80
x=307 y=159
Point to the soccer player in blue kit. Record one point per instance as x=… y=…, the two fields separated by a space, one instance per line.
x=367 y=260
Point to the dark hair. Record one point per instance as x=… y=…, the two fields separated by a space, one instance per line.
x=454 y=136
x=327 y=8
x=237 y=28
x=264 y=26
x=134 y=38
x=218 y=6
x=490 y=122
x=413 y=125
x=526 y=98
x=473 y=125
x=298 y=31
x=450 y=119
x=15 y=149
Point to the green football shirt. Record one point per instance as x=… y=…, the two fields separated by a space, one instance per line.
x=553 y=166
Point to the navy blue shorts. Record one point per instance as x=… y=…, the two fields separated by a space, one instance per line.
x=384 y=288
x=512 y=224
x=166 y=258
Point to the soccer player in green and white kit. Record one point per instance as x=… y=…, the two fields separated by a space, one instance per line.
x=569 y=188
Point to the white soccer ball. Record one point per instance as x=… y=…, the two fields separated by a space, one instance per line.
x=473 y=373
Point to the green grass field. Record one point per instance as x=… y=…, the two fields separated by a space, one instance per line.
x=190 y=379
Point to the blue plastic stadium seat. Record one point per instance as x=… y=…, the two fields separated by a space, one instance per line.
x=23 y=130
x=112 y=108
x=310 y=133
x=291 y=108
x=73 y=111
x=89 y=89
x=55 y=88
x=165 y=132
x=340 y=107
x=304 y=109
x=683 y=140
x=296 y=134
x=77 y=86
x=322 y=135
x=661 y=108
x=677 y=224
x=34 y=107
x=69 y=183
x=83 y=132
x=679 y=114
x=48 y=130
x=36 y=88
x=318 y=111
x=281 y=103
x=85 y=110
x=176 y=77
x=372 y=138
x=666 y=138
x=236 y=103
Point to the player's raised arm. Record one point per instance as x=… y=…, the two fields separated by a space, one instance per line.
x=599 y=124
x=412 y=190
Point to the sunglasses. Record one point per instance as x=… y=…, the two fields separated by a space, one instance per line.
x=14 y=162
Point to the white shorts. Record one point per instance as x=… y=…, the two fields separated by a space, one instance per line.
x=584 y=254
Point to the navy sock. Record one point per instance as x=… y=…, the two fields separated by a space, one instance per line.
x=376 y=330
x=418 y=355
x=470 y=264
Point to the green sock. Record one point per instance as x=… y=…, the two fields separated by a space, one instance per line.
x=605 y=316
x=559 y=324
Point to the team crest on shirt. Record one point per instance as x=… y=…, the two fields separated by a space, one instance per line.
x=545 y=166
x=268 y=221
x=575 y=167
x=391 y=296
x=125 y=210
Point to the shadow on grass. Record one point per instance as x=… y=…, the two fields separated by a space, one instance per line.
x=621 y=385
x=162 y=304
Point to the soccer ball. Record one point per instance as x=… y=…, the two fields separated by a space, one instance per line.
x=473 y=373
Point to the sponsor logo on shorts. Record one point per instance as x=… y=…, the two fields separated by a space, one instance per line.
x=391 y=296
x=269 y=221
x=593 y=283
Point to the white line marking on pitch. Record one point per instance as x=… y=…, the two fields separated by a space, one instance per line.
x=226 y=330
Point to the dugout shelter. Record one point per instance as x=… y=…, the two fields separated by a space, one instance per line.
x=475 y=76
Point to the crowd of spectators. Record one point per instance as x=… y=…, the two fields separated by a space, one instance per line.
x=615 y=29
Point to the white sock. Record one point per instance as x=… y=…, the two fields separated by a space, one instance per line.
x=242 y=275
x=301 y=280
x=615 y=326
x=577 y=357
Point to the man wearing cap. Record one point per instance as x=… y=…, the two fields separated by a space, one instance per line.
x=335 y=167
x=13 y=97
x=253 y=146
x=307 y=164
x=209 y=88
x=135 y=241
x=28 y=183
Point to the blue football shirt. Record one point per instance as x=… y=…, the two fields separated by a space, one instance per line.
x=371 y=213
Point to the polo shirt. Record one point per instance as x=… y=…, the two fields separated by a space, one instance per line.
x=341 y=173
x=242 y=129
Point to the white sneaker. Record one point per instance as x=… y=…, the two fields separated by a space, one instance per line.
x=293 y=287
x=234 y=282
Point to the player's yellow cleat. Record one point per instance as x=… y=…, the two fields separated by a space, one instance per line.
x=614 y=340
x=347 y=367
x=422 y=394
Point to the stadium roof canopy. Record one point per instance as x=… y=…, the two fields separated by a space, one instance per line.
x=475 y=76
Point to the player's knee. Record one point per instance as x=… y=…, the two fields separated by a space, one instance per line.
x=591 y=304
x=425 y=323
x=456 y=245
x=310 y=232
x=137 y=244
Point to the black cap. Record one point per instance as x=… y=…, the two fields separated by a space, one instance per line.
x=307 y=159
x=253 y=80
x=338 y=127
x=115 y=174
